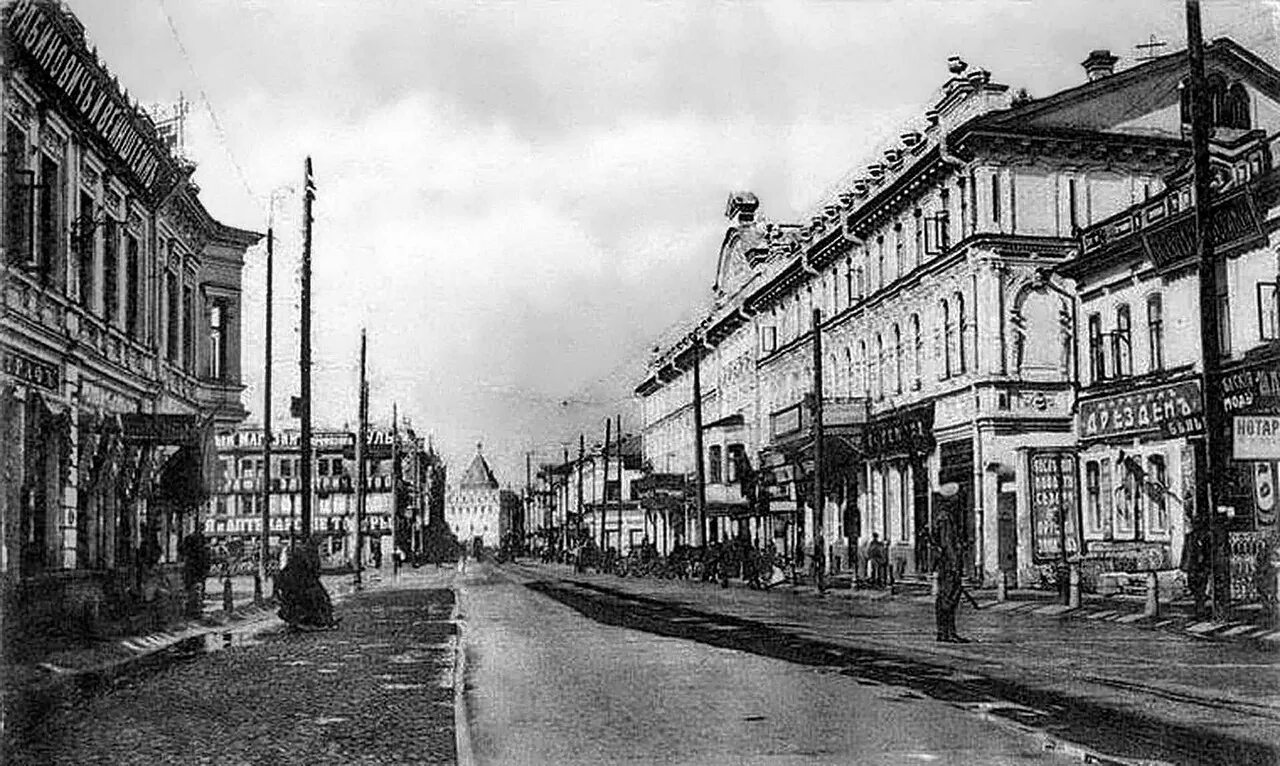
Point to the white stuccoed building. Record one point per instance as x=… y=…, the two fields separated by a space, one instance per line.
x=473 y=507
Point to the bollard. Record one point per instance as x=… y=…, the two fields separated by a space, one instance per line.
x=1152 y=607
x=227 y=602
x=1073 y=585
x=1002 y=586
x=933 y=584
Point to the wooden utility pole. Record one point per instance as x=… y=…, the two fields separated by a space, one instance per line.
x=265 y=551
x=395 y=477
x=528 y=493
x=304 y=358
x=564 y=531
x=699 y=468
x=362 y=430
x=604 y=484
x=620 y=459
x=582 y=451
x=1213 y=442
x=818 y=496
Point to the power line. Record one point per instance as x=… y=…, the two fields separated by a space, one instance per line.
x=208 y=104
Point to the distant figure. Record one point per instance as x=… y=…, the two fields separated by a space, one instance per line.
x=397 y=558
x=948 y=561
x=462 y=560
x=1197 y=562
x=878 y=556
x=819 y=562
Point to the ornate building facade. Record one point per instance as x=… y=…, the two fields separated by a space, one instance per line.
x=947 y=333
x=120 y=337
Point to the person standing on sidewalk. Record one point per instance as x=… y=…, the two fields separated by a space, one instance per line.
x=820 y=561
x=946 y=535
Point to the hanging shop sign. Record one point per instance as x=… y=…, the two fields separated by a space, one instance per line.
x=40 y=29
x=1055 y=505
x=160 y=429
x=1255 y=437
x=1169 y=411
x=28 y=369
x=907 y=431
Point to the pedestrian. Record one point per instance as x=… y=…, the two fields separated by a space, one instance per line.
x=1197 y=562
x=397 y=558
x=946 y=535
x=878 y=556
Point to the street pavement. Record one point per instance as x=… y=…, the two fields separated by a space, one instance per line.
x=377 y=690
x=1111 y=689
x=549 y=685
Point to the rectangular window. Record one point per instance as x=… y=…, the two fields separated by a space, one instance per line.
x=1268 y=312
x=1097 y=357
x=848 y=282
x=217 y=343
x=1129 y=500
x=286 y=468
x=1093 y=500
x=246 y=468
x=918 y=253
x=768 y=339
x=736 y=456
x=171 y=315
x=86 y=247
x=995 y=197
x=1155 y=331
x=881 y=265
x=50 y=213
x=133 y=286
x=1121 y=343
x=19 y=197
x=899 y=252
x=110 y=273
x=336 y=466
x=1073 y=206
x=713 y=465
x=1157 y=494
x=612 y=490
x=188 y=330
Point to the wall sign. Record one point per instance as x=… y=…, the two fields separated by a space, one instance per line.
x=905 y=431
x=1255 y=437
x=28 y=369
x=1055 y=505
x=1170 y=411
x=1255 y=390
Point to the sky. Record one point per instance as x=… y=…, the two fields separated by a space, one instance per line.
x=518 y=200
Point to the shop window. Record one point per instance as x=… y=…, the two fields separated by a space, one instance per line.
x=1129 y=499
x=1268 y=312
x=1107 y=497
x=1097 y=357
x=713 y=465
x=1121 y=345
x=246 y=468
x=1157 y=482
x=1155 y=331
x=286 y=469
x=1093 y=499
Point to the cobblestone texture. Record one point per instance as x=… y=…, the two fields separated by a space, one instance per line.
x=377 y=690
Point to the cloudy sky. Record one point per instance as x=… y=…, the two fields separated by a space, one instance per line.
x=518 y=199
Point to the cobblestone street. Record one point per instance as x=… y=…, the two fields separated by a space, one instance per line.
x=377 y=690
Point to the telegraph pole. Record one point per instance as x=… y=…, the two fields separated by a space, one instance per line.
x=582 y=449
x=564 y=532
x=395 y=477
x=528 y=495
x=819 y=491
x=259 y=587
x=604 y=484
x=362 y=427
x=304 y=358
x=1213 y=442
x=699 y=468
x=620 y=458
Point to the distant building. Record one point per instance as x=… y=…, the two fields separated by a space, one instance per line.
x=473 y=509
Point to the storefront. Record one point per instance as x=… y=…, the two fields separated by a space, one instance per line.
x=896 y=447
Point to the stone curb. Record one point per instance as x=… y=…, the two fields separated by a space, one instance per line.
x=465 y=754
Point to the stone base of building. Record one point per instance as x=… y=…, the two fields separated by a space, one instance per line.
x=89 y=603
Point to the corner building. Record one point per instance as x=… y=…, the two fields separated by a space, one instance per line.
x=947 y=335
x=119 y=339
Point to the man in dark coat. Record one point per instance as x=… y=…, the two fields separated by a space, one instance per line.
x=948 y=562
x=819 y=561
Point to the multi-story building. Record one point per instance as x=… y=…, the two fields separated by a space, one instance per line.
x=236 y=513
x=121 y=336
x=946 y=335
x=1141 y=415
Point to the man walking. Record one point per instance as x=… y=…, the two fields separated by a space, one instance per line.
x=820 y=562
x=946 y=535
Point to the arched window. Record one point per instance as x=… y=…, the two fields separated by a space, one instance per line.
x=946 y=339
x=916 y=351
x=1235 y=107
x=1121 y=342
x=897 y=359
x=851 y=380
x=962 y=331
x=863 y=381
x=848 y=281
x=881 y=281
x=1217 y=86
x=899 y=246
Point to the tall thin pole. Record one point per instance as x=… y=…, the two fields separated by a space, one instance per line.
x=619 y=451
x=528 y=491
x=395 y=476
x=699 y=469
x=582 y=450
x=604 y=491
x=564 y=531
x=362 y=431
x=265 y=551
x=304 y=358
x=1214 y=418
x=819 y=489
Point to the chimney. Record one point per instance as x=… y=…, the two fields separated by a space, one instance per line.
x=1099 y=64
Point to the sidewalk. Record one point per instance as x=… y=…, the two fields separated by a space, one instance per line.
x=92 y=664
